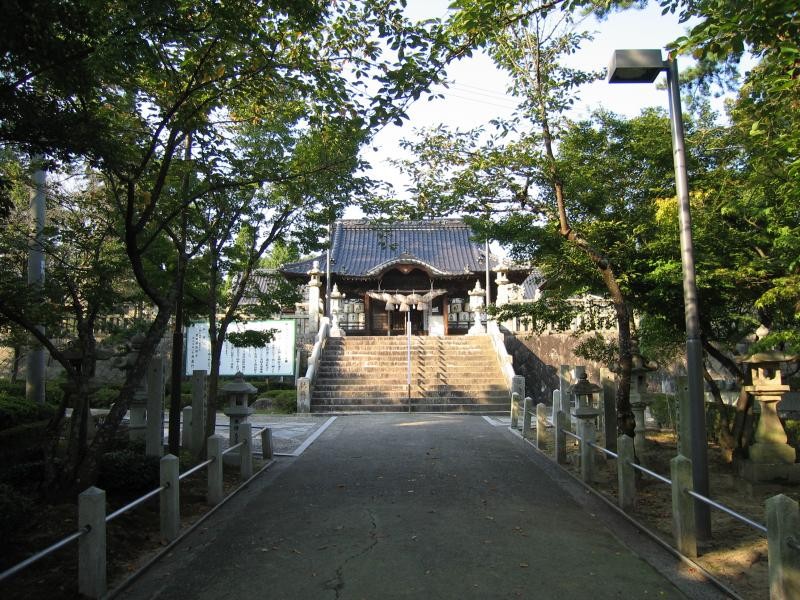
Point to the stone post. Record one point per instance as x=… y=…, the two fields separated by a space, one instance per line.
x=586 y=431
x=563 y=388
x=626 y=478
x=559 y=424
x=609 y=413
x=186 y=430
x=556 y=404
x=169 y=498
x=137 y=422
x=246 y=451
x=198 y=409
x=92 y=581
x=783 y=525
x=514 y=410
x=527 y=404
x=518 y=385
x=541 y=425
x=215 y=490
x=638 y=406
x=154 y=437
x=314 y=286
x=303 y=395
x=683 y=527
x=266 y=443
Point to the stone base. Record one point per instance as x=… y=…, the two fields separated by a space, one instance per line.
x=765 y=472
x=772 y=453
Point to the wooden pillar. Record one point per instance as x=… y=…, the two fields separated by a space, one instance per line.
x=446 y=314
x=367 y=314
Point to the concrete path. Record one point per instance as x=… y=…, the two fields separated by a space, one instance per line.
x=422 y=507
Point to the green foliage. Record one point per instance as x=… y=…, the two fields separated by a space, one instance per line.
x=664 y=409
x=105 y=396
x=599 y=349
x=15 y=410
x=128 y=470
x=251 y=338
x=284 y=401
x=16 y=509
x=792 y=427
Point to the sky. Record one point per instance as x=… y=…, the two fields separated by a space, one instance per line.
x=477 y=90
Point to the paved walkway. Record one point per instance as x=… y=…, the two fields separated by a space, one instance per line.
x=422 y=507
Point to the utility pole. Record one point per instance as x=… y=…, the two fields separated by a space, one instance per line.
x=36 y=359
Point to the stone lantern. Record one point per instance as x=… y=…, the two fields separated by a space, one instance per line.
x=336 y=310
x=238 y=409
x=639 y=395
x=503 y=284
x=770 y=457
x=476 y=295
x=586 y=414
x=584 y=392
x=314 y=290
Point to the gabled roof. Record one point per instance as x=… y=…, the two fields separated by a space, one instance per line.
x=364 y=249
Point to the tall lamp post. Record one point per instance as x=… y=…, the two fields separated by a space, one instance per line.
x=643 y=66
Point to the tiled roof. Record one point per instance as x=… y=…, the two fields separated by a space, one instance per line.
x=364 y=249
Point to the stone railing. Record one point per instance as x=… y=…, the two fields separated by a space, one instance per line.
x=306 y=384
x=782 y=512
x=516 y=383
x=93 y=518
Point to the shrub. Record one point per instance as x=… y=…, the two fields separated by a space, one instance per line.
x=105 y=396
x=792 y=428
x=16 y=410
x=284 y=401
x=663 y=408
x=24 y=473
x=15 y=510
x=128 y=470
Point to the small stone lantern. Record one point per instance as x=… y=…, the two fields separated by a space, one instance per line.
x=639 y=397
x=238 y=409
x=586 y=414
x=336 y=310
x=770 y=457
x=476 y=304
x=584 y=392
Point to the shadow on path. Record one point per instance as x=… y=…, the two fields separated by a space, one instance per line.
x=396 y=506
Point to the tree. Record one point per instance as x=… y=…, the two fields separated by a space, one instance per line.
x=138 y=80
x=527 y=41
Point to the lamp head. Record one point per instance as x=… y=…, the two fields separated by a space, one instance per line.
x=635 y=66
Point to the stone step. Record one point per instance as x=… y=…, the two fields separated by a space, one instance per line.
x=467 y=386
x=462 y=395
x=463 y=384
x=482 y=409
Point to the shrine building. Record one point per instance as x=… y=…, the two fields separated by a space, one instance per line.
x=431 y=274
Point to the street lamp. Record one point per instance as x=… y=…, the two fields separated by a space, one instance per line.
x=643 y=66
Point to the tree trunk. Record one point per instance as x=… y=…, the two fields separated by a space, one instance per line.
x=176 y=368
x=625 y=420
x=742 y=420
x=726 y=440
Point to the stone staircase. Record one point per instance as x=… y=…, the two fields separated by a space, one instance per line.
x=448 y=374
